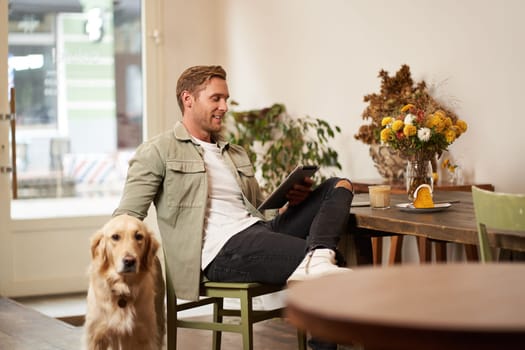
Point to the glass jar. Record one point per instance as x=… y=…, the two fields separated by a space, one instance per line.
x=418 y=172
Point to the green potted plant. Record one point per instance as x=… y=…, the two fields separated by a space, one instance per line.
x=277 y=142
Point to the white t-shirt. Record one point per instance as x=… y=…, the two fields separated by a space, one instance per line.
x=226 y=214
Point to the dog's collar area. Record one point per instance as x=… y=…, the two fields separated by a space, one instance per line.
x=122 y=302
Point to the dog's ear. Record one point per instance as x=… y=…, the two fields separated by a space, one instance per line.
x=97 y=245
x=150 y=251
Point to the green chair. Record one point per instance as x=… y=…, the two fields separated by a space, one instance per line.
x=496 y=210
x=214 y=293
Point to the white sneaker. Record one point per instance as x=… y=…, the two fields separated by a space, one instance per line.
x=318 y=262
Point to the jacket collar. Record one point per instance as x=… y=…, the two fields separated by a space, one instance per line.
x=180 y=132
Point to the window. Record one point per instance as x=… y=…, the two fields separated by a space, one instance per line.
x=77 y=72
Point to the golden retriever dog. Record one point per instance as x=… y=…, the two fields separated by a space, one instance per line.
x=125 y=301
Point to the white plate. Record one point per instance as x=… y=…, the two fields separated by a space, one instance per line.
x=409 y=207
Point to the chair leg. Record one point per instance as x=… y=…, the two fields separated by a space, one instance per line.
x=171 y=318
x=301 y=339
x=218 y=307
x=246 y=320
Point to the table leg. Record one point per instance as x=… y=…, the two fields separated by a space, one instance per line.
x=441 y=251
x=424 y=246
x=396 y=243
x=377 y=250
x=471 y=251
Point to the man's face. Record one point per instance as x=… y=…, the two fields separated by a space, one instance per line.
x=206 y=109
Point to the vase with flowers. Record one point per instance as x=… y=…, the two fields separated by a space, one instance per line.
x=419 y=134
x=392 y=160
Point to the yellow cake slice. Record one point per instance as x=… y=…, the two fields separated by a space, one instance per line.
x=423 y=197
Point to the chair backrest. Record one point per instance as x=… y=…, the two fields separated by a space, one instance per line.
x=500 y=211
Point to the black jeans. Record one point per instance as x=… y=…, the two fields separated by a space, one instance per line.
x=268 y=252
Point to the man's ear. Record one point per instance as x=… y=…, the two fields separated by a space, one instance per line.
x=187 y=99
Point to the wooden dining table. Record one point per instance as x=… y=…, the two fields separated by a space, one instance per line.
x=456 y=224
x=458 y=306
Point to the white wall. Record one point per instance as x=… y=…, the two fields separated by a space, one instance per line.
x=321 y=57
x=192 y=36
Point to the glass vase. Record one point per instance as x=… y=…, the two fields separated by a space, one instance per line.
x=418 y=172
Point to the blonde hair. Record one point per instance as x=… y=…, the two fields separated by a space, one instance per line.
x=193 y=79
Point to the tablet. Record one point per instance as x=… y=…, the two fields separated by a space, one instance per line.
x=278 y=197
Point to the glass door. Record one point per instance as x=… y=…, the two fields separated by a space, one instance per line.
x=76 y=68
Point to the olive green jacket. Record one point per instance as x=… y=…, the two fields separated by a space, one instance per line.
x=169 y=171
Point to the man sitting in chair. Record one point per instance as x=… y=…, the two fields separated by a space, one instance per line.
x=206 y=195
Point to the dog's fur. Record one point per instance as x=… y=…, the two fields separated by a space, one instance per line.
x=122 y=311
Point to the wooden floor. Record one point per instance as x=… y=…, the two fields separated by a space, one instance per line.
x=273 y=334
x=23 y=328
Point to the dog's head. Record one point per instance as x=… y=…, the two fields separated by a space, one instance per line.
x=125 y=244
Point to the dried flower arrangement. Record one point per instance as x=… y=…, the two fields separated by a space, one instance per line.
x=396 y=92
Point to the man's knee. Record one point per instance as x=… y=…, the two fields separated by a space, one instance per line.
x=346 y=184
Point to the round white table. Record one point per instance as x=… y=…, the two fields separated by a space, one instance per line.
x=419 y=307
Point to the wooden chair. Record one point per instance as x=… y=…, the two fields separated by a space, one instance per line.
x=501 y=211
x=214 y=293
x=440 y=247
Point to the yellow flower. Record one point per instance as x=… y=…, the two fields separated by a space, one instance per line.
x=450 y=135
x=386 y=121
x=440 y=113
x=462 y=125
x=386 y=135
x=448 y=165
x=407 y=107
x=456 y=130
x=448 y=122
x=409 y=130
x=436 y=121
x=397 y=125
